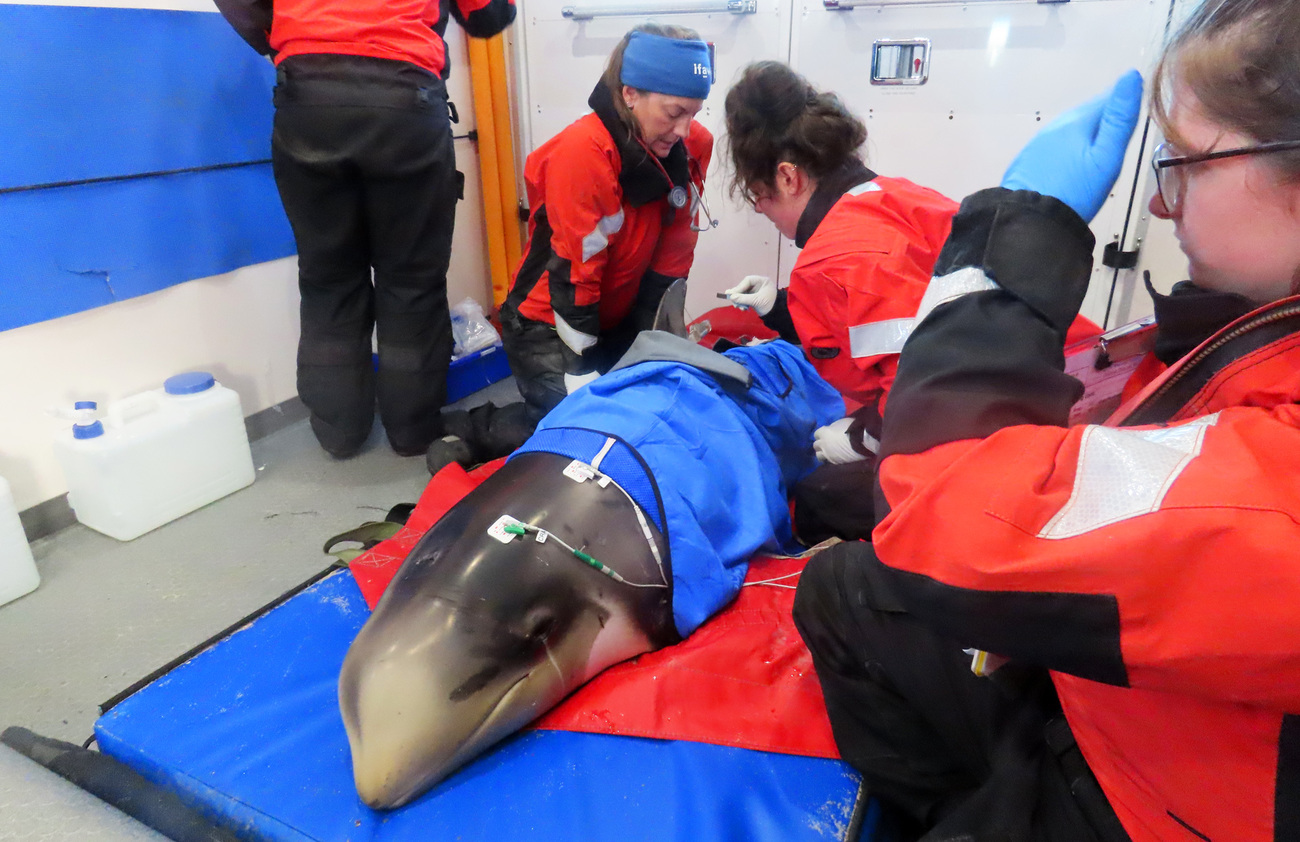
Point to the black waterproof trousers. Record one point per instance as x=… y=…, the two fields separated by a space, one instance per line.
x=829 y=503
x=958 y=756
x=363 y=159
x=538 y=357
x=537 y=360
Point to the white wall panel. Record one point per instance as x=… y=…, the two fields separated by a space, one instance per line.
x=999 y=71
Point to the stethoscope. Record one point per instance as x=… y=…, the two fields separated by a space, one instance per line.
x=679 y=196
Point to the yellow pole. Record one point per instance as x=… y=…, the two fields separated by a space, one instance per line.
x=505 y=147
x=480 y=74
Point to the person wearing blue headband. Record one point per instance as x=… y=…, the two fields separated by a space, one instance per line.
x=615 y=204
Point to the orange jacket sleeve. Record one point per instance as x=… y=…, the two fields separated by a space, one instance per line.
x=584 y=207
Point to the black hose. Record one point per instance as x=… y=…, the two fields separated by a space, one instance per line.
x=119 y=785
x=854 y=831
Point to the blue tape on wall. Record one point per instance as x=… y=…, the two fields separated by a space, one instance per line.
x=73 y=248
x=96 y=93
x=90 y=93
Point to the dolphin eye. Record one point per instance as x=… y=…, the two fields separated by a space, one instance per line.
x=540 y=625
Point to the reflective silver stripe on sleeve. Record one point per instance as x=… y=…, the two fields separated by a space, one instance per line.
x=951 y=286
x=864 y=187
x=1125 y=473
x=887 y=337
x=595 y=242
x=875 y=338
x=575 y=339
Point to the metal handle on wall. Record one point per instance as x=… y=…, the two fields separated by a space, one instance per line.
x=680 y=7
x=846 y=5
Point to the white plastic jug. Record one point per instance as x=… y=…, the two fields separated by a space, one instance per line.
x=155 y=456
x=18 y=574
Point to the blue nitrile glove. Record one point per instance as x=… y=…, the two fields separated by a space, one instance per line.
x=1076 y=158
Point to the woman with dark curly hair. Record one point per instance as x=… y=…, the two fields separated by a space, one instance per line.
x=868 y=244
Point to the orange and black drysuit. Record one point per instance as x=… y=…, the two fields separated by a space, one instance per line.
x=868 y=244
x=363 y=159
x=1147 y=566
x=604 y=244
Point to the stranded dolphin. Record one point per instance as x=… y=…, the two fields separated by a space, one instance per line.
x=624 y=522
x=475 y=637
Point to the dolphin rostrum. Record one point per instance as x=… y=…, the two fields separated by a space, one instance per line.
x=500 y=611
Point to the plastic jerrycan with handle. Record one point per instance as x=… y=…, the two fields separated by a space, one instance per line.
x=155 y=456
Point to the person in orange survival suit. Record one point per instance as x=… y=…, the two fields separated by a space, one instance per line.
x=363 y=159
x=615 y=201
x=1139 y=576
x=868 y=243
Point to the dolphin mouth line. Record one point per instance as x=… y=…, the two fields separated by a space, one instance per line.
x=487 y=719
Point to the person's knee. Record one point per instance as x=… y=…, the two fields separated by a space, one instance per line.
x=817 y=590
x=822 y=612
x=541 y=394
x=844 y=605
x=831 y=576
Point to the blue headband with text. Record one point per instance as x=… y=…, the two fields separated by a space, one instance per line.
x=667 y=65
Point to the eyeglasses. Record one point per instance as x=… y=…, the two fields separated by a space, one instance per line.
x=758 y=192
x=1170 y=181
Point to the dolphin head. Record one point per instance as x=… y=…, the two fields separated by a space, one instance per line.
x=475 y=637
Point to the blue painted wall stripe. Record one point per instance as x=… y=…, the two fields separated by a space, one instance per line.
x=99 y=93
x=94 y=92
x=69 y=249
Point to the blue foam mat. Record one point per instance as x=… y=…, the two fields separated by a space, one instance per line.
x=249 y=729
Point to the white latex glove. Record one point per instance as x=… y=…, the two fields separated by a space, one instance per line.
x=758 y=292
x=574 y=382
x=831 y=443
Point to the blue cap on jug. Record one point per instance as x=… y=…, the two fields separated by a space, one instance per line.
x=189 y=383
x=86 y=426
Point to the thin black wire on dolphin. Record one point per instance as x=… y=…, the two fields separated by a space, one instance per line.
x=668 y=473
